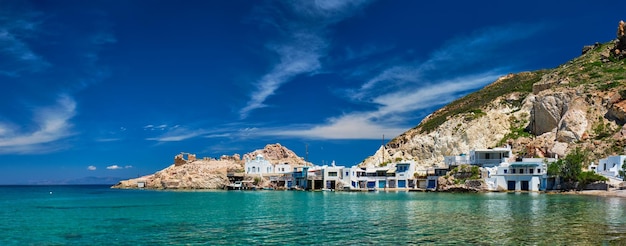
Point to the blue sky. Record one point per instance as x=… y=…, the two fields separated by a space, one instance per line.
x=117 y=88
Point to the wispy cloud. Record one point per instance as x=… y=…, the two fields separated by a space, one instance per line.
x=470 y=55
x=176 y=133
x=51 y=124
x=298 y=57
x=16 y=55
x=92 y=168
x=389 y=118
x=161 y=127
x=104 y=140
x=300 y=51
x=400 y=91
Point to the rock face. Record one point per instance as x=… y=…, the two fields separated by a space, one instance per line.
x=192 y=173
x=456 y=136
x=619 y=50
x=277 y=154
x=197 y=174
x=545 y=113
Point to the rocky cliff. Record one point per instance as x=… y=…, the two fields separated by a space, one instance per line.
x=206 y=173
x=581 y=103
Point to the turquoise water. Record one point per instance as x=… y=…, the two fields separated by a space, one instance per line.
x=97 y=215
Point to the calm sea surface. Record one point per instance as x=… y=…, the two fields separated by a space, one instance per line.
x=97 y=215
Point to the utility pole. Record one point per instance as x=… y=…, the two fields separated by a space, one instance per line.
x=383 y=149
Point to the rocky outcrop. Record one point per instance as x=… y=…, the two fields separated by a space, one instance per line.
x=276 y=153
x=199 y=174
x=206 y=173
x=448 y=184
x=617 y=111
x=457 y=135
x=619 y=50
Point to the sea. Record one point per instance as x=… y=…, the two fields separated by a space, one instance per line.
x=98 y=215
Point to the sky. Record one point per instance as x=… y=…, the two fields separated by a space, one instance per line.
x=118 y=88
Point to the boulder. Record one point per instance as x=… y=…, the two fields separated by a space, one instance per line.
x=559 y=149
x=617 y=112
x=574 y=123
x=547 y=112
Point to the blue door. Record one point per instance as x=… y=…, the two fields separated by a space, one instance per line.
x=401 y=183
x=382 y=184
x=510 y=185
x=371 y=184
x=431 y=184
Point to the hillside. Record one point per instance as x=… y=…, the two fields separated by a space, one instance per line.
x=581 y=103
x=206 y=173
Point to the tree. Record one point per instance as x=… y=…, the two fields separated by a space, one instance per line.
x=570 y=168
x=622 y=173
x=589 y=177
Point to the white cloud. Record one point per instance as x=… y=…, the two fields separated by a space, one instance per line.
x=352 y=126
x=117 y=167
x=114 y=167
x=400 y=90
x=389 y=117
x=300 y=52
x=53 y=124
x=301 y=56
x=91 y=168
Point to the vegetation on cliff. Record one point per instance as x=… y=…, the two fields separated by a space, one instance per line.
x=473 y=103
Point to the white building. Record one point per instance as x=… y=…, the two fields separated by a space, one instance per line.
x=404 y=175
x=283 y=168
x=611 y=166
x=258 y=166
x=332 y=176
x=481 y=157
x=527 y=175
x=490 y=157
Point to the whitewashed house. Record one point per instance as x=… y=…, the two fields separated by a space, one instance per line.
x=404 y=175
x=528 y=175
x=332 y=176
x=376 y=177
x=490 y=157
x=481 y=157
x=611 y=166
x=258 y=166
x=283 y=168
x=356 y=178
